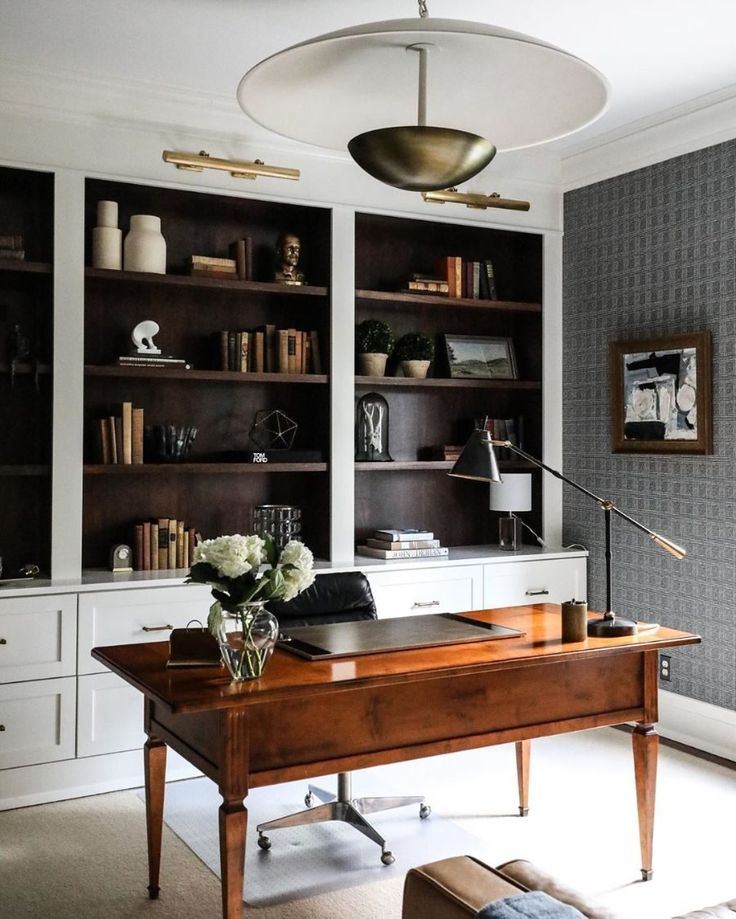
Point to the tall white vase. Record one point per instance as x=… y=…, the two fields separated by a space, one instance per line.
x=145 y=248
x=107 y=239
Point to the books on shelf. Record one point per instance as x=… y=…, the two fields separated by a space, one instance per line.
x=11 y=246
x=242 y=252
x=118 y=439
x=267 y=349
x=402 y=534
x=439 y=552
x=206 y=266
x=426 y=284
x=154 y=360
x=402 y=543
x=164 y=543
x=397 y=545
x=468 y=279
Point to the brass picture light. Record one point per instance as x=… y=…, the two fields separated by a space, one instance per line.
x=238 y=169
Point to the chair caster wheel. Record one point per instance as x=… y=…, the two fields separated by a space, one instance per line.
x=424 y=811
x=387 y=857
x=309 y=799
x=264 y=842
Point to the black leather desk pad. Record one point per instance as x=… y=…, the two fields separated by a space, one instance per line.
x=349 y=639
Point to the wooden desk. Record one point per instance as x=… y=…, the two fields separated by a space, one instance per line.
x=385 y=708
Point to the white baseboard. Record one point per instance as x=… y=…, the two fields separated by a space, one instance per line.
x=697 y=724
x=77 y=778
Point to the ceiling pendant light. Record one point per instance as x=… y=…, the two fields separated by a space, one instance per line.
x=491 y=89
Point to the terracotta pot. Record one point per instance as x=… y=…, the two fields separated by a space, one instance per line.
x=415 y=368
x=372 y=365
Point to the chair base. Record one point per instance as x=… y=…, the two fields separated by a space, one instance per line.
x=345 y=808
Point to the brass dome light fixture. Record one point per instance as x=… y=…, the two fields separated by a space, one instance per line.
x=491 y=89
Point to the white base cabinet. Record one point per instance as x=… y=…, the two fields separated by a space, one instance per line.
x=68 y=727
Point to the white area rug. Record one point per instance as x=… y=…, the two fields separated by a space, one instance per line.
x=310 y=860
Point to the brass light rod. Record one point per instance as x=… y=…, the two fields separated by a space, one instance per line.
x=238 y=169
x=473 y=200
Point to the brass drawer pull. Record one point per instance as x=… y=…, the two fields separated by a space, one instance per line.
x=542 y=592
x=421 y=604
x=3 y=641
x=157 y=628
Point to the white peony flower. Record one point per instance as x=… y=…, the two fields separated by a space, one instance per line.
x=232 y=556
x=302 y=575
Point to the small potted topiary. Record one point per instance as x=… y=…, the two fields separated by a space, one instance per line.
x=373 y=342
x=414 y=352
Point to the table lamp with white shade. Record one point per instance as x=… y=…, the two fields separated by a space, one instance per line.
x=512 y=495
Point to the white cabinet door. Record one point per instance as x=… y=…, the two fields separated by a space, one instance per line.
x=109 y=715
x=37 y=637
x=126 y=617
x=429 y=590
x=551 y=580
x=37 y=722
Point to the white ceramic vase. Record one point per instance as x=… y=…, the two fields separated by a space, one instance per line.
x=145 y=248
x=107 y=239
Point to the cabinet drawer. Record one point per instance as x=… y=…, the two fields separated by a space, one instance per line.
x=413 y=593
x=37 y=637
x=126 y=617
x=545 y=581
x=109 y=715
x=37 y=722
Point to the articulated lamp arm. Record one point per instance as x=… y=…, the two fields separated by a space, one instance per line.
x=604 y=503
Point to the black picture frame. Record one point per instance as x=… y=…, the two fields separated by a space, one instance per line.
x=481 y=357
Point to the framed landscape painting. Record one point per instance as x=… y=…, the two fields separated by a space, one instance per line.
x=476 y=357
x=661 y=394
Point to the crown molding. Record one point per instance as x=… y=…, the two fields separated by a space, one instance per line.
x=703 y=122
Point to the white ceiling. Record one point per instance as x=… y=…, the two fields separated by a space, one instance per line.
x=656 y=54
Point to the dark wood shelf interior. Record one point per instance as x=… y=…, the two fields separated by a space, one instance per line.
x=404 y=299
x=444 y=383
x=21 y=266
x=27 y=209
x=440 y=410
x=201 y=468
x=222 y=284
x=215 y=497
x=212 y=376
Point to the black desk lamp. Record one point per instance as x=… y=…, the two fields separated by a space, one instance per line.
x=478 y=462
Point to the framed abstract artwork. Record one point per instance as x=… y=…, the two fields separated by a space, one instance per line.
x=661 y=394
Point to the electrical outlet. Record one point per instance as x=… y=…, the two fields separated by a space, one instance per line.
x=665 y=668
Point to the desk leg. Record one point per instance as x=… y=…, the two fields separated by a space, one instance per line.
x=154 y=764
x=233 y=824
x=645 y=744
x=523 y=756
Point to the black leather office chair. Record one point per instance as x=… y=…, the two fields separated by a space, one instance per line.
x=335 y=598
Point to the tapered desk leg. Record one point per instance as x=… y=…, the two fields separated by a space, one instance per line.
x=523 y=755
x=645 y=744
x=154 y=764
x=233 y=824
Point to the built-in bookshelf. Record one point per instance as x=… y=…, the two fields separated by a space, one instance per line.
x=213 y=490
x=26 y=322
x=440 y=410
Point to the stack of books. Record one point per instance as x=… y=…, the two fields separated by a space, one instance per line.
x=11 y=246
x=119 y=438
x=270 y=350
x=426 y=284
x=405 y=543
x=153 y=360
x=205 y=266
x=164 y=543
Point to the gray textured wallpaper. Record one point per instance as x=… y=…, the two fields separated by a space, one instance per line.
x=650 y=253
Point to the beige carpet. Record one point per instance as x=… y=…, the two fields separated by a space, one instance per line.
x=85 y=859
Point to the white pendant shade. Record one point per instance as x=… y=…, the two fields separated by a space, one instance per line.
x=510 y=88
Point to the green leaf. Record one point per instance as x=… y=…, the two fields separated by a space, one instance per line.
x=272 y=556
x=214 y=619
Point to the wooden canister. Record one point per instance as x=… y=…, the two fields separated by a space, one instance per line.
x=574 y=620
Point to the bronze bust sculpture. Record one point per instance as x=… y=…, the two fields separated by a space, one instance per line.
x=287 y=255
